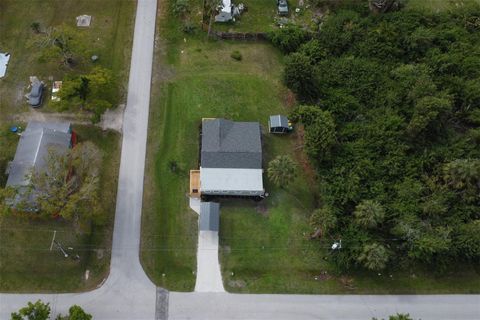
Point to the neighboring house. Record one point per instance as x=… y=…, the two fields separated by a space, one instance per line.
x=231 y=160
x=38 y=139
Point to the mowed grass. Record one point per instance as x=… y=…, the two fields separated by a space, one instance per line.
x=26 y=262
x=109 y=36
x=206 y=82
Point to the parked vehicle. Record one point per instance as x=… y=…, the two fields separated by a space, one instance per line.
x=282 y=6
x=35 y=97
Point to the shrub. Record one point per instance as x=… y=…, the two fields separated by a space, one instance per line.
x=189 y=27
x=236 y=55
x=288 y=39
x=180 y=7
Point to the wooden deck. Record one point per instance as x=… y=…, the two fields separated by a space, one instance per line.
x=195 y=183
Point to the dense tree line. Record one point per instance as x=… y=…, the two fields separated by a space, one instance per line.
x=391 y=113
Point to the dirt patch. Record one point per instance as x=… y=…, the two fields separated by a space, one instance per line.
x=323 y=276
x=347 y=282
x=289 y=99
x=237 y=283
x=113 y=119
x=262 y=209
x=37 y=115
x=301 y=156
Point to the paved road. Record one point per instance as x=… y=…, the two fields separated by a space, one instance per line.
x=127 y=293
x=220 y=306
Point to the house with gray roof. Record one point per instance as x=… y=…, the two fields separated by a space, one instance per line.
x=38 y=139
x=230 y=160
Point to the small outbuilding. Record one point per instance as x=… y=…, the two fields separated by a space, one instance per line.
x=84 y=20
x=279 y=124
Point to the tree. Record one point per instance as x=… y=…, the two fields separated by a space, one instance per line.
x=210 y=8
x=299 y=76
x=462 y=173
x=75 y=313
x=69 y=184
x=94 y=91
x=33 y=311
x=324 y=220
x=282 y=170
x=374 y=256
x=369 y=214
x=289 y=39
x=63 y=42
x=427 y=110
x=398 y=316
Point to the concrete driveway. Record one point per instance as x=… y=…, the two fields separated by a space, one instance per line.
x=209 y=277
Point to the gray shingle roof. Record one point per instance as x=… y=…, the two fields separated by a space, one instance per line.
x=38 y=139
x=229 y=144
x=209 y=216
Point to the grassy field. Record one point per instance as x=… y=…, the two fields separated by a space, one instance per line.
x=206 y=83
x=26 y=262
x=109 y=36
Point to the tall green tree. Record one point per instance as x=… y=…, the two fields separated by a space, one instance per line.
x=374 y=257
x=64 y=43
x=76 y=313
x=33 y=311
x=324 y=220
x=369 y=214
x=282 y=170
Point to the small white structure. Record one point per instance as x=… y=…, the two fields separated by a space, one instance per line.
x=226 y=12
x=84 y=20
x=57 y=85
x=4 y=58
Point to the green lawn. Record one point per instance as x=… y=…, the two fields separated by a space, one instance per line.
x=205 y=82
x=26 y=262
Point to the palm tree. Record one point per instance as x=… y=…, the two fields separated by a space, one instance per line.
x=462 y=173
x=374 y=256
x=369 y=213
x=282 y=170
x=323 y=220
